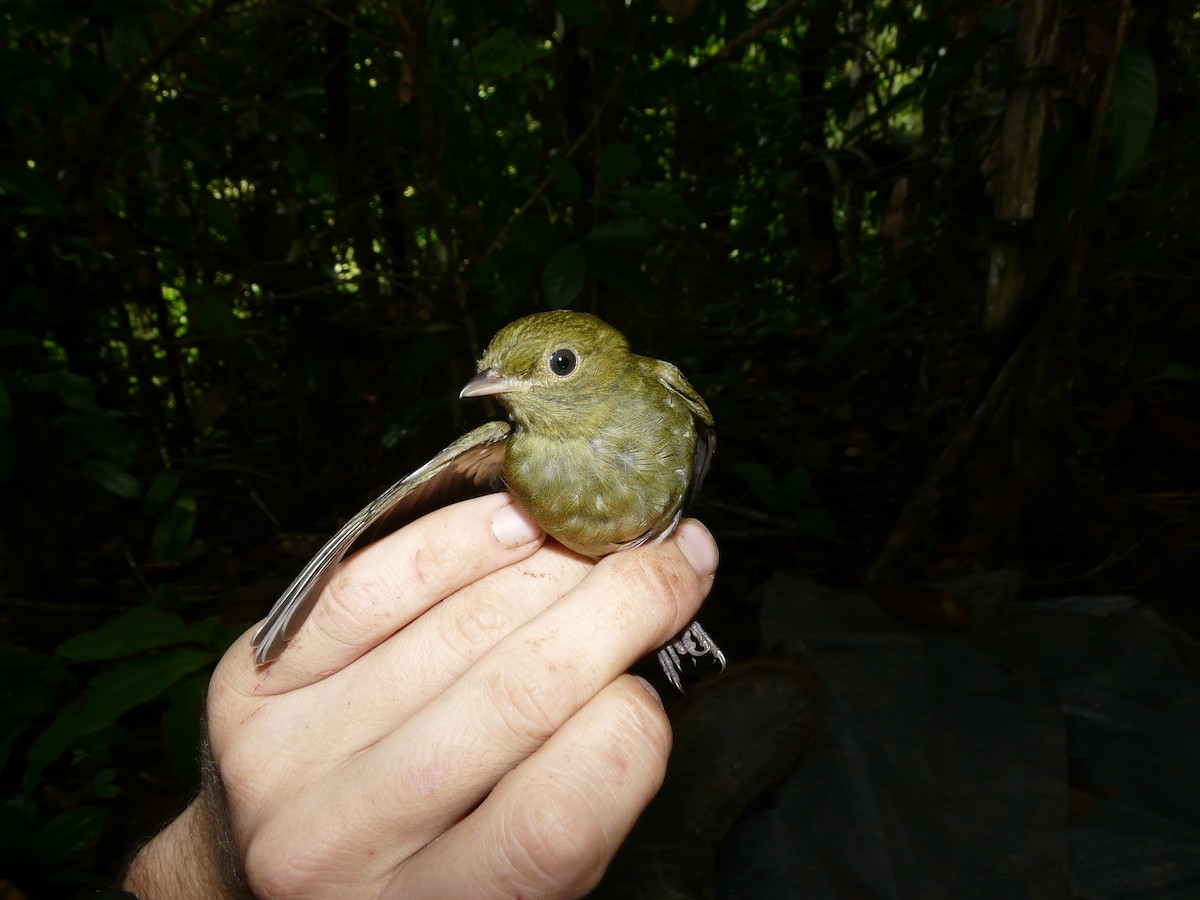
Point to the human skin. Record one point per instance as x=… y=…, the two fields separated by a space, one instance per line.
x=453 y=720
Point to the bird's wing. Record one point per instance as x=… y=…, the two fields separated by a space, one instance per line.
x=706 y=436
x=470 y=467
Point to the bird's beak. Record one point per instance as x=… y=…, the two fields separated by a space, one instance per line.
x=487 y=382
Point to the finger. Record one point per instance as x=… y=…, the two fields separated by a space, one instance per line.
x=552 y=825
x=420 y=661
x=387 y=686
x=379 y=692
x=453 y=751
x=389 y=583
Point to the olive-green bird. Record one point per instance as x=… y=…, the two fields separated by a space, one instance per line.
x=605 y=450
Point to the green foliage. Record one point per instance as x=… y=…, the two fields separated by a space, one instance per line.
x=788 y=497
x=565 y=276
x=63 y=712
x=1134 y=106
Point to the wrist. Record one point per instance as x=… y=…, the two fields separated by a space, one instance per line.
x=178 y=862
x=194 y=857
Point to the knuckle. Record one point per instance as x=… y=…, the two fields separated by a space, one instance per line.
x=239 y=771
x=647 y=725
x=522 y=694
x=438 y=556
x=349 y=608
x=666 y=585
x=559 y=844
x=476 y=624
x=275 y=871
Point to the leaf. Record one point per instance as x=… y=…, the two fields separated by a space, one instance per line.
x=183 y=727
x=789 y=496
x=112 y=478
x=624 y=234
x=504 y=53
x=567 y=181
x=35 y=700
x=579 y=12
x=618 y=162
x=564 y=276
x=107 y=697
x=68 y=833
x=174 y=529
x=42 y=199
x=8 y=739
x=815 y=522
x=507 y=276
x=619 y=273
x=762 y=483
x=1133 y=108
x=660 y=202
x=1173 y=372
x=163 y=487
x=19 y=658
x=104 y=785
x=75 y=391
x=140 y=629
x=11 y=337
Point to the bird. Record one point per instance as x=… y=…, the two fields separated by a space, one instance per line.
x=603 y=448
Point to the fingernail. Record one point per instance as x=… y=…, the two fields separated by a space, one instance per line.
x=649 y=689
x=513 y=528
x=698 y=546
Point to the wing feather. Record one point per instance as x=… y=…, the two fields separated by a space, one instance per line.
x=706 y=435
x=470 y=467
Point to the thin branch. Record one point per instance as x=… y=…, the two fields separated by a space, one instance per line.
x=751 y=34
x=140 y=72
x=914 y=519
x=571 y=151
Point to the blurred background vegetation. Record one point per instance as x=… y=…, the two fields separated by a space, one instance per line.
x=933 y=265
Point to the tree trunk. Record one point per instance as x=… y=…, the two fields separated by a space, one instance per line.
x=1024 y=124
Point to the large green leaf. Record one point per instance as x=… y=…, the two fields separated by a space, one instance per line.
x=618 y=163
x=567 y=180
x=183 y=727
x=1133 y=109
x=579 y=12
x=174 y=529
x=564 y=276
x=108 y=697
x=624 y=234
x=659 y=201
x=142 y=628
x=112 y=478
x=68 y=833
x=163 y=487
x=42 y=199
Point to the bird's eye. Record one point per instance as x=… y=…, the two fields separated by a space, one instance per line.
x=563 y=361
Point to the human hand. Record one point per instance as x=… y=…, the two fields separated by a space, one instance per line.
x=453 y=720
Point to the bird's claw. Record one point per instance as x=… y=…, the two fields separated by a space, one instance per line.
x=694 y=643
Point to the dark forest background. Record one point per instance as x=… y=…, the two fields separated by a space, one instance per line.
x=933 y=265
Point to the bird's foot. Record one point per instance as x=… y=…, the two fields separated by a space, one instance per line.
x=694 y=643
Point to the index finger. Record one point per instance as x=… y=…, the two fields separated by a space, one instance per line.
x=388 y=584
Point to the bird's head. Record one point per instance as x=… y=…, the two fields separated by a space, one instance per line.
x=552 y=366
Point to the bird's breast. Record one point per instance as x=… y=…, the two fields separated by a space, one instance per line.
x=599 y=491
